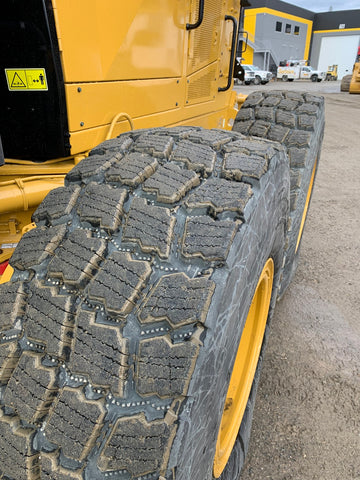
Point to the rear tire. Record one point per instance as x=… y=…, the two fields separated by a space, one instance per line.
x=284 y=78
x=296 y=120
x=127 y=305
x=345 y=83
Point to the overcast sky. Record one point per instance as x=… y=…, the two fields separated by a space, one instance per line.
x=325 y=5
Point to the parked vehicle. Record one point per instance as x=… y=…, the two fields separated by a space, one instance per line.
x=351 y=83
x=332 y=73
x=260 y=76
x=242 y=74
x=291 y=72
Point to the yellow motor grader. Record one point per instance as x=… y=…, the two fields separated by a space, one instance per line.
x=351 y=83
x=150 y=224
x=354 y=86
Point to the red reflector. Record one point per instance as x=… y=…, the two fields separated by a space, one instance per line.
x=3 y=266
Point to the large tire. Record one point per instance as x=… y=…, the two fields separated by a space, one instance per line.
x=345 y=83
x=122 y=320
x=257 y=80
x=296 y=120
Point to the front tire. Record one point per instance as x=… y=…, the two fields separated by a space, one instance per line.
x=257 y=80
x=128 y=302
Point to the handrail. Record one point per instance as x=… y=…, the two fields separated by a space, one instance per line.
x=192 y=26
x=115 y=119
x=232 y=53
x=245 y=38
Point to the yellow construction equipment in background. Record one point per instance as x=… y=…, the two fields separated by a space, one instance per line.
x=351 y=83
x=331 y=73
x=355 y=79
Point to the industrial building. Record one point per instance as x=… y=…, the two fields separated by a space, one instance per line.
x=279 y=31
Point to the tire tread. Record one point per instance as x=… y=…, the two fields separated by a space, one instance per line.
x=109 y=298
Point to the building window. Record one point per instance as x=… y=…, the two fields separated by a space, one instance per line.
x=288 y=28
x=296 y=30
x=278 y=27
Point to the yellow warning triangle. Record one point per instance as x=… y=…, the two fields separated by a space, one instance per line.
x=17 y=82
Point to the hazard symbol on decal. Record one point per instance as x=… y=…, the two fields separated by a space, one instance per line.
x=26 y=79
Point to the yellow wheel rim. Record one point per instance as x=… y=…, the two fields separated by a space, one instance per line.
x=244 y=368
x=306 y=207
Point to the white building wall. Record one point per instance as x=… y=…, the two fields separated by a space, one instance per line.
x=338 y=50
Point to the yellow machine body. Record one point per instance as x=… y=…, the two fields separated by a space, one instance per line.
x=141 y=60
x=133 y=65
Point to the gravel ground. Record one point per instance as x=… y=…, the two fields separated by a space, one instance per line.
x=307 y=416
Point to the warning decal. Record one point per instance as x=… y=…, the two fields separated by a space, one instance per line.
x=26 y=79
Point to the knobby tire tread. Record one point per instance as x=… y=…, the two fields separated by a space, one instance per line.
x=105 y=316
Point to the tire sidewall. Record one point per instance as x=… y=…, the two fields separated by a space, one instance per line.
x=292 y=255
x=194 y=447
x=234 y=466
x=294 y=247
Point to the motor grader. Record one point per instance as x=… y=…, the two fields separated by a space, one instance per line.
x=136 y=306
x=354 y=86
x=351 y=83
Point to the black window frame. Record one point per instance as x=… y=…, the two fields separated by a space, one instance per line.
x=278 y=27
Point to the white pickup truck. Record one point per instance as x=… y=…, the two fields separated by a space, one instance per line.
x=290 y=73
x=260 y=76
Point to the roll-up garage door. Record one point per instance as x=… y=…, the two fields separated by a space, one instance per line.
x=339 y=50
